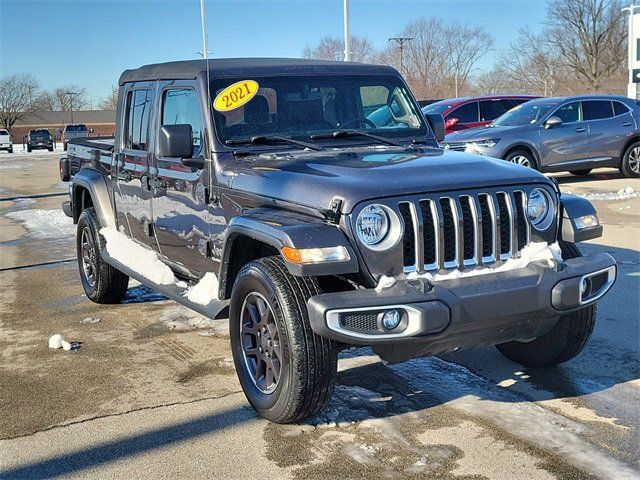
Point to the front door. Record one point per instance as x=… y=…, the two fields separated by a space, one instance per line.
x=568 y=142
x=132 y=196
x=181 y=193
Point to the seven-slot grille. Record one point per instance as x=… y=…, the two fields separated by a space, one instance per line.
x=454 y=231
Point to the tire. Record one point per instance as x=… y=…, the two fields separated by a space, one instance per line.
x=307 y=363
x=50 y=149
x=102 y=283
x=522 y=157
x=29 y=149
x=630 y=165
x=65 y=146
x=10 y=150
x=564 y=342
x=581 y=173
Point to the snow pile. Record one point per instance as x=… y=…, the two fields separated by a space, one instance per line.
x=136 y=257
x=534 y=252
x=57 y=341
x=205 y=291
x=181 y=318
x=45 y=223
x=626 y=193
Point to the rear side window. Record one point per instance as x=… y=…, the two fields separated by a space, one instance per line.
x=180 y=107
x=597 y=109
x=492 y=109
x=137 y=120
x=619 y=108
x=569 y=113
x=467 y=113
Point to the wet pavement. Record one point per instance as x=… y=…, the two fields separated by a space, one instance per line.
x=149 y=394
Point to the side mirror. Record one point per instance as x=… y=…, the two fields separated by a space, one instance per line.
x=175 y=141
x=437 y=125
x=553 y=122
x=451 y=122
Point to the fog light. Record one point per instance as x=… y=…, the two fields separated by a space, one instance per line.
x=391 y=319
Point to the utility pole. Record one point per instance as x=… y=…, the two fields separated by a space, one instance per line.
x=347 y=40
x=401 y=41
x=71 y=94
x=632 y=9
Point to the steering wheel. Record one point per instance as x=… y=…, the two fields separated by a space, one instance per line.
x=360 y=120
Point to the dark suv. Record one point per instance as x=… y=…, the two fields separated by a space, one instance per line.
x=312 y=199
x=472 y=112
x=39 y=139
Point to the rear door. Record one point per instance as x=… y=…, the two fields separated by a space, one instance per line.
x=463 y=117
x=132 y=195
x=610 y=126
x=180 y=193
x=566 y=143
x=492 y=109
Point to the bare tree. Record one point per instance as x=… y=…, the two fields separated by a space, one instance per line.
x=590 y=38
x=110 y=102
x=331 y=48
x=70 y=97
x=464 y=48
x=17 y=94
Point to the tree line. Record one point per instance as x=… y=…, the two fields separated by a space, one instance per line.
x=581 y=48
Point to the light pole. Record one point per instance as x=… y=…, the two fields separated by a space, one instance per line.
x=632 y=9
x=401 y=41
x=347 y=51
x=71 y=94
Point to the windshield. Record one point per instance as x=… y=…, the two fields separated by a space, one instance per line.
x=301 y=106
x=523 y=114
x=436 y=108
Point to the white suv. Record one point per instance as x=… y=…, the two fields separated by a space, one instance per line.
x=5 y=141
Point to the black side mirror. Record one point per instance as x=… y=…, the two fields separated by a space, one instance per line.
x=437 y=125
x=175 y=141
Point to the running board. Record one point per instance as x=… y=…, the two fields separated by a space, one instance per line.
x=173 y=292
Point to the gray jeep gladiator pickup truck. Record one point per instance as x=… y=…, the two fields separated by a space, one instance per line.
x=312 y=199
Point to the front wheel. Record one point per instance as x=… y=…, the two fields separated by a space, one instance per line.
x=287 y=372
x=564 y=342
x=523 y=158
x=102 y=283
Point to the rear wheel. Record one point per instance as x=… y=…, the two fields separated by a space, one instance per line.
x=523 y=158
x=581 y=173
x=630 y=166
x=29 y=148
x=102 y=283
x=564 y=342
x=286 y=371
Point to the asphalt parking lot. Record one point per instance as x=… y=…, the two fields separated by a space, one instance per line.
x=152 y=390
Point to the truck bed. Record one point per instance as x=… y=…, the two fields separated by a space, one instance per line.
x=90 y=149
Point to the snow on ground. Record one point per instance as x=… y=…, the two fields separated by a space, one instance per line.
x=45 y=223
x=205 y=291
x=626 y=193
x=181 y=318
x=137 y=257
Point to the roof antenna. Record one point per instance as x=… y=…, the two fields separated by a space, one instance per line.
x=205 y=48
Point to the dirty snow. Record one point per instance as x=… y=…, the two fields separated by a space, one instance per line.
x=45 y=223
x=137 y=257
x=205 y=291
x=625 y=193
x=57 y=341
x=181 y=318
x=385 y=282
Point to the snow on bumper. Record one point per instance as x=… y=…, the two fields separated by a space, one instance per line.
x=444 y=315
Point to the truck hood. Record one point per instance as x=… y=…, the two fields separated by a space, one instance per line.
x=485 y=133
x=314 y=178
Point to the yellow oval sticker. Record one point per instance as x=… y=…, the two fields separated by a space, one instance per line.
x=235 y=95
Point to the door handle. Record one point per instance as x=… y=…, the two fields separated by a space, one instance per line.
x=626 y=124
x=581 y=129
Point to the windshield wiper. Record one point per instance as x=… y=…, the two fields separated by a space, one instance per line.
x=265 y=139
x=354 y=133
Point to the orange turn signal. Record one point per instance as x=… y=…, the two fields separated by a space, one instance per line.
x=315 y=255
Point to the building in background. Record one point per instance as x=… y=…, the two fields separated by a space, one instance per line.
x=634 y=51
x=102 y=122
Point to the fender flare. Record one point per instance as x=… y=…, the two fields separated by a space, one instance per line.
x=573 y=207
x=286 y=229
x=96 y=184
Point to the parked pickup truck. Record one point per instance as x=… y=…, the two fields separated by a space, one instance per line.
x=266 y=186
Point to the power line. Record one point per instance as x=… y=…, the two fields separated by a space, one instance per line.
x=401 y=41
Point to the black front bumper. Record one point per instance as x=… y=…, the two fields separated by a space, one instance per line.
x=472 y=311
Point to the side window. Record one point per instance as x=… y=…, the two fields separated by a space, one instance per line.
x=137 y=120
x=466 y=113
x=597 y=109
x=492 y=109
x=569 y=113
x=373 y=98
x=619 y=108
x=180 y=107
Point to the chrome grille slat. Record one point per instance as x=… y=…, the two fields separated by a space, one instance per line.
x=464 y=230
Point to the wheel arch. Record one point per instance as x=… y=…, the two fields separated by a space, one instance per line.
x=526 y=147
x=634 y=138
x=89 y=188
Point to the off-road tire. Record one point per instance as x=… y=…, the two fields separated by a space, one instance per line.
x=564 y=342
x=309 y=362
x=110 y=284
x=514 y=155
x=581 y=173
x=625 y=166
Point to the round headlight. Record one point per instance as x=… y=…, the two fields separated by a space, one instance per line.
x=540 y=209
x=372 y=225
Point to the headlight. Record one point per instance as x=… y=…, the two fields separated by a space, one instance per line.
x=372 y=225
x=489 y=143
x=540 y=209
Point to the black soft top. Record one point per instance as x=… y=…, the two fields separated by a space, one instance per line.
x=233 y=67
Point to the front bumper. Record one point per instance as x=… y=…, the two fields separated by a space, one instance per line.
x=465 y=312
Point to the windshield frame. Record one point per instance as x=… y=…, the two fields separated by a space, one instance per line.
x=422 y=132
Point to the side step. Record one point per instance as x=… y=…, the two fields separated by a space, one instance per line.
x=173 y=292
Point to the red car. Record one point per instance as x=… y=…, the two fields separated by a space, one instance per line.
x=472 y=112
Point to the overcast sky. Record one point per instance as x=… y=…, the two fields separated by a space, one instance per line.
x=90 y=42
